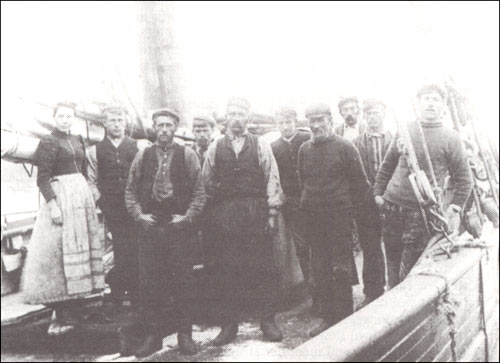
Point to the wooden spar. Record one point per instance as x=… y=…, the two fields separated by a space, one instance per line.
x=463 y=110
x=159 y=57
x=456 y=125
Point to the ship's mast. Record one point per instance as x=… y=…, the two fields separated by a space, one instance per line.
x=159 y=60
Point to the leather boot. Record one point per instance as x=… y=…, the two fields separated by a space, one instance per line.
x=270 y=329
x=324 y=325
x=227 y=334
x=186 y=344
x=152 y=343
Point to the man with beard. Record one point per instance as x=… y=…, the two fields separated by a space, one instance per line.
x=109 y=165
x=286 y=151
x=349 y=110
x=372 y=146
x=164 y=195
x=333 y=185
x=244 y=193
x=404 y=232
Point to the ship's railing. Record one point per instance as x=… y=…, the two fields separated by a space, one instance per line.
x=446 y=312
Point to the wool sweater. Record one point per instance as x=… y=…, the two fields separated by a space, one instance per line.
x=447 y=155
x=331 y=175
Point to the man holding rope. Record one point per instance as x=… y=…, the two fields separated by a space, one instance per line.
x=440 y=152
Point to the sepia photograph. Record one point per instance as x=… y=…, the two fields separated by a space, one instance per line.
x=279 y=181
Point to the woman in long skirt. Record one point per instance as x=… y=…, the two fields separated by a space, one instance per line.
x=64 y=260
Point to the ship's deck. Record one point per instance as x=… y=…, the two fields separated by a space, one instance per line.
x=25 y=340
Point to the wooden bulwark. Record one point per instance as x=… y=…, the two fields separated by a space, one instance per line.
x=409 y=323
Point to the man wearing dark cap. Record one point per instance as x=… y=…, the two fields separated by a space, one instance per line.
x=164 y=195
x=244 y=194
x=349 y=110
x=109 y=165
x=333 y=185
x=372 y=146
x=286 y=152
x=404 y=231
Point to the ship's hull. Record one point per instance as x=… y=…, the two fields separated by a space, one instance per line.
x=446 y=312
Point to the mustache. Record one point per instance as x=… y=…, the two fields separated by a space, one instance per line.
x=350 y=118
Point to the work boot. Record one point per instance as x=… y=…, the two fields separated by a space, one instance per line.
x=324 y=325
x=151 y=344
x=227 y=334
x=270 y=329
x=186 y=344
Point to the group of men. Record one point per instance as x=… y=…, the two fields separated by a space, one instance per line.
x=232 y=189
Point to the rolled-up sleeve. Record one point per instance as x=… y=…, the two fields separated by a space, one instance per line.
x=271 y=173
x=131 y=191
x=198 y=198
x=46 y=158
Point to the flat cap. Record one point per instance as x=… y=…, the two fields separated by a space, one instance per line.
x=165 y=112
x=286 y=111
x=319 y=109
x=205 y=118
x=239 y=102
x=432 y=87
x=344 y=100
x=370 y=103
x=115 y=109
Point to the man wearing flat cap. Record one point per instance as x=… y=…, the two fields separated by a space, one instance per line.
x=372 y=146
x=164 y=195
x=333 y=185
x=286 y=152
x=109 y=164
x=404 y=232
x=349 y=110
x=244 y=194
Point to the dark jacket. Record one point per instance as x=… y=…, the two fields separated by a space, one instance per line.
x=363 y=144
x=286 y=154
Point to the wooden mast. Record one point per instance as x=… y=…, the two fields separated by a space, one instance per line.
x=159 y=61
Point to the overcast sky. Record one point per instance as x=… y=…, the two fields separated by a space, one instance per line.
x=272 y=53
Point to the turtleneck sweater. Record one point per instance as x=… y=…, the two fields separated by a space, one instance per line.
x=447 y=155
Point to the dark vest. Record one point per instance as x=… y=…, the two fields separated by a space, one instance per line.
x=242 y=176
x=114 y=165
x=182 y=184
x=201 y=157
x=286 y=155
